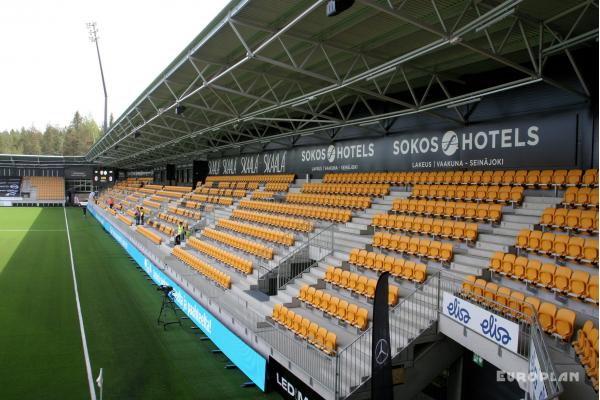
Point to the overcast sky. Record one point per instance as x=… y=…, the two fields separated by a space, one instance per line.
x=49 y=68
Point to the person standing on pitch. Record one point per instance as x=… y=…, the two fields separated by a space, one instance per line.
x=142 y=212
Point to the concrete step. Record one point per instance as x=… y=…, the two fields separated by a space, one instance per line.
x=461 y=270
x=492 y=247
x=551 y=199
x=381 y=207
x=496 y=239
x=352 y=231
x=356 y=225
x=527 y=212
x=349 y=237
x=535 y=206
x=524 y=219
x=505 y=231
x=516 y=225
x=470 y=260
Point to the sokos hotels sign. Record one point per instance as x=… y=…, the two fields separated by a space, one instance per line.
x=501 y=331
x=545 y=142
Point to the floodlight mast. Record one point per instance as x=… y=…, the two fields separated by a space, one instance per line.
x=93 y=31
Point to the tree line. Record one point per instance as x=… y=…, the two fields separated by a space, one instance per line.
x=74 y=139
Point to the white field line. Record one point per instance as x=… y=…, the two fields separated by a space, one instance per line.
x=86 y=355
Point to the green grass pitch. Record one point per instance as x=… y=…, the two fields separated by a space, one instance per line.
x=41 y=353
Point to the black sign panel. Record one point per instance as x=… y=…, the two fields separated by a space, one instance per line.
x=381 y=350
x=287 y=384
x=78 y=172
x=10 y=187
x=546 y=141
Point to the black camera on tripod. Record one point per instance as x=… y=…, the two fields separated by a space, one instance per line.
x=165 y=289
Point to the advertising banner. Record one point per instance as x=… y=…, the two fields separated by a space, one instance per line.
x=10 y=187
x=381 y=351
x=548 y=141
x=503 y=332
x=537 y=387
x=287 y=384
x=241 y=354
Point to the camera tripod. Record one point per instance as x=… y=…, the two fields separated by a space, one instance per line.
x=167 y=304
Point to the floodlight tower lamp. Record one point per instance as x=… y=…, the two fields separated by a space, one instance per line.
x=93 y=32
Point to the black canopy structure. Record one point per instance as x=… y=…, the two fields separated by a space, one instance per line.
x=275 y=73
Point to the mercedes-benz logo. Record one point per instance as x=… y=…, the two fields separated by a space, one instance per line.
x=382 y=351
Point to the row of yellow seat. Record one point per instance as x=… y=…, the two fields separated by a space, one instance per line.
x=360 y=202
x=558 y=322
x=208 y=271
x=170 y=194
x=153 y=187
x=221 y=192
x=562 y=279
x=145 y=191
x=185 y=212
x=244 y=245
x=449 y=229
x=269 y=235
x=173 y=219
x=398 y=267
x=433 y=249
x=149 y=234
x=375 y=189
x=274 y=220
x=48 y=187
x=234 y=185
x=262 y=195
x=574 y=248
x=181 y=189
x=158 y=199
x=203 y=198
x=581 y=197
x=543 y=178
x=316 y=335
x=284 y=178
x=335 y=307
x=358 y=283
x=449 y=209
x=125 y=220
x=573 y=219
x=586 y=348
x=191 y=204
x=166 y=229
x=241 y=264
x=491 y=194
x=277 y=187
x=151 y=204
x=325 y=213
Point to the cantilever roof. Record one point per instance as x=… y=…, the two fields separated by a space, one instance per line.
x=268 y=72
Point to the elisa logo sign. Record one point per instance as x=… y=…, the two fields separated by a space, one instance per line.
x=489 y=325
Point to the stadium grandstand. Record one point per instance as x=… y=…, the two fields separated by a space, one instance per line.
x=335 y=200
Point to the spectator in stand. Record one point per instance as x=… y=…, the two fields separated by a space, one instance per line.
x=142 y=213
x=110 y=202
x=137 y=216
x=180 y=237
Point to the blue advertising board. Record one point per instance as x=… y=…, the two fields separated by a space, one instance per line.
x=239 y=353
